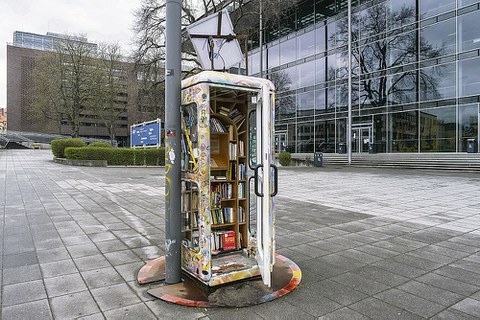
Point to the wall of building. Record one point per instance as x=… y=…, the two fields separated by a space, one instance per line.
x=416 y=75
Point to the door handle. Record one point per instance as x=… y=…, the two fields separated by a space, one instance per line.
x=257 y=192
x=275 y=180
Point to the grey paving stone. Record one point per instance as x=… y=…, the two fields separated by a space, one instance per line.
x=21 y=274
x=377 y=309
x=399 y=268
x=377 y=251
x=148 y=253
x=137 y=242
x=51 y=255
x=101 y=277
x=343 y=314
x=91 y=262
x=23 y=292
x=83 y=250
x=64 y=285
x=76 y=240
x=103 y=236
x=36 y=310
x=121 y=257
x=460 y=274
x=129 y=271
x=453 y=314
x=58 y=268
x=449 y=284
x=417 y=262
x=133 y=312
x=74 y=305
x=431 y=293
x=310 y=250
x=410 y=302
x=20 y=259
x=114 y=297
x=358 y=255
x=360 y=283
x=311 y=302
x=338 y=292
x=469 y=306
x=111 y=245
x=380 y=275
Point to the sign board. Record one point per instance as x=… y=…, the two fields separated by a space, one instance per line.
x=225 y=53
x=146 y=134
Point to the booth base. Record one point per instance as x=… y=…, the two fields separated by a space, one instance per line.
x=190 y=292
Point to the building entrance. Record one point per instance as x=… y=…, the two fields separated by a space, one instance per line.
x=361 y=138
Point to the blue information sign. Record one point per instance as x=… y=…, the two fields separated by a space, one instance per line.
x=146 y=134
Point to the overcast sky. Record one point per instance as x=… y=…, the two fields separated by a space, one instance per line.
x=99 y=20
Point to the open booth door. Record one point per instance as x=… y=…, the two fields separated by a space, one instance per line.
x=265 y=182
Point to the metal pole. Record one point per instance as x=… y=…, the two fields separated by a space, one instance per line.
x=173 y=218
x=261 y=38
x=349 y=125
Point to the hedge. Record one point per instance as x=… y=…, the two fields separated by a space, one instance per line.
x=119 y=157
x=100 y=144
x=58 y=145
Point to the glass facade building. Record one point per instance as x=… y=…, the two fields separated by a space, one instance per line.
x=44 y=42
x=415 y=75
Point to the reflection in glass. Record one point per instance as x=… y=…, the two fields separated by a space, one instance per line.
x=366 y=29
x=462 y=3
x=291 y=73
x=468 y=31
x=468 y=125
x=273 y=56
x=305 y=136
x=437 y=130
x=469 y=77
x=403 y=131
x=400 y=13
x=306 y=44
x=320 y=37
x=285 y=107
x=331 y=35
x=306 y=74
x=403 y=88
x=372 y=92
x=380 y=132
x=305 y=104
x=430 y=8
x=438 y=82
x=320 y=70
x=441 y=39
x=402 y=48
x=254 y=63
x=288 y=50
x=281 y=80
x=320 y=103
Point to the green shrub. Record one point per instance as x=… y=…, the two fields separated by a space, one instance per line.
x=284 y=158
x=59 y=145
x=100 y=144
x=119 y=157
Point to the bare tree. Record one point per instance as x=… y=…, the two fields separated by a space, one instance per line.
x=63 y=82
x=108 y=101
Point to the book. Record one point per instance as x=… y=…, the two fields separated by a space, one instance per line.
x=228 y=240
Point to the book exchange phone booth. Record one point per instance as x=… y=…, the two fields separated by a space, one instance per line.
x=228 y=177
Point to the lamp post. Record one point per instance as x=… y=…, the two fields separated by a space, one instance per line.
x=261 y=37
x=349 y=56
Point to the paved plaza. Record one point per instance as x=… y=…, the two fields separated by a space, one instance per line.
x=371 y=243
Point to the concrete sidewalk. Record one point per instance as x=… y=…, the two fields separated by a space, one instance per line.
x=371 y=243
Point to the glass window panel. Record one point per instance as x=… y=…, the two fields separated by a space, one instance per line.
x=305 y=103
x=438 y=82
x=372 y=21
x=331 y=98
x=373 y=92
x=429 y=8
x=285 y=107
x=320 y=70
x=281 y=80
x=437 y=130
x=320 y=39
x=380 y=133
x=306 y=44
x=404 y=131
x=273 y=56
x=400 y=13
x=254 y=63
x=342 y=97
x=468 y=124
x=288 y=51
x=462 y=3
x=469 y=77
x=337 y=66
x=402 y=88
x=341 y=35
x=320 y=103
x=305 y=136
x=306 y=74
x=438 y=39
x=371 y=57
x=325 y=136
x=292 y=75
x=341 y=129
x=402 y=49
x=468 y=31
x=331 y=35
x=305 y=14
